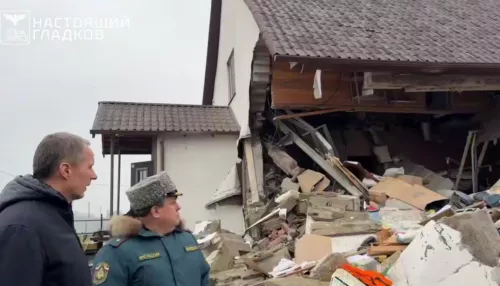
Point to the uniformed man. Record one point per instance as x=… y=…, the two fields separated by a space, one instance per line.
x=149 y=245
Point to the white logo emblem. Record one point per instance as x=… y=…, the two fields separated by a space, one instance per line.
x=15 y=27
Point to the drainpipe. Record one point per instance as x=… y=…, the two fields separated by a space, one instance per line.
x=119 y=179
x=162 y=152
x=112 y=153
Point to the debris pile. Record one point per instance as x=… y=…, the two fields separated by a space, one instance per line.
x=321 y=221
x=460 y=246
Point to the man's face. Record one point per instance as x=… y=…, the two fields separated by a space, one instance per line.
x=80 y=175
x=169 y=213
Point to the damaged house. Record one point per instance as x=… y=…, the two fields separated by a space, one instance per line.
x=331 y=86
x=345 y=142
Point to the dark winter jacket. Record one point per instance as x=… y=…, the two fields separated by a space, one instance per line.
x=38 y=243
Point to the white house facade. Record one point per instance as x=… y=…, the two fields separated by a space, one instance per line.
x=236 y=38
x=195 y=144
x=198 y=163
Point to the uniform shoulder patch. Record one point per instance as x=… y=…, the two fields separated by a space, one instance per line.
x=192 y=248
x=117 y=242
x=100 y=273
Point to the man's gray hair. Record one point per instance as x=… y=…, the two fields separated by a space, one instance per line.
x=54 y=149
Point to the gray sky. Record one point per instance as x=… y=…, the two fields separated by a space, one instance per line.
x=52 y=85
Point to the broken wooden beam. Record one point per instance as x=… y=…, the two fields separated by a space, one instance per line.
x=307 y=113
x=332 y=171
x=427 y=83
x=252 y=174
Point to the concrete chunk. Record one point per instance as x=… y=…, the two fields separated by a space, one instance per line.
x=325 y=214
x=437 y=257
x=325 y=268
x=479 y=235
x=206 y=227
x=288 y=185
x=266 y=260
x=240 y=276
x=330 y=199
x=284 y=161
x=223 y=249
x=350 y=223
x=272 y=224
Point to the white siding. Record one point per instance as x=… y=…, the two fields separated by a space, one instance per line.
x=198 y=163
x=239 y=31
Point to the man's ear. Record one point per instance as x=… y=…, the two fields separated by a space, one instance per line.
x=154 y=212
x=65 y=170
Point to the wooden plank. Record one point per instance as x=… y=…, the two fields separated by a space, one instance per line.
x=395 y=109
x=304 y=114
x=293 y=89
x=252 y=176
x=333 y=172
x=419 y=83
x=354 y=180
x=375 y=250
x=259 y=164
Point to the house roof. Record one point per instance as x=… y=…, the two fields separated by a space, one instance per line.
x=155 y=118
x=457 y=36
x=435 y=31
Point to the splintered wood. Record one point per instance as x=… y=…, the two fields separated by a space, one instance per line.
x=335 y=162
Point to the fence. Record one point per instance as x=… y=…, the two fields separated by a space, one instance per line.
x=96 y=224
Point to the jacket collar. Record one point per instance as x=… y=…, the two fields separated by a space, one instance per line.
x=126 y=226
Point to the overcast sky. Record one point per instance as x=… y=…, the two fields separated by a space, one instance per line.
x=50 y=85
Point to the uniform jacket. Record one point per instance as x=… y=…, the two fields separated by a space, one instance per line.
x=137 y=256
x=38 y=244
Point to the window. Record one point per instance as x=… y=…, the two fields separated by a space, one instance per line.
x=231 y=76
x=142 y=174
x=140 y=171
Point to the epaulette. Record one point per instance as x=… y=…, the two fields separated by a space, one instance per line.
x=191 y=234
x=117 y=242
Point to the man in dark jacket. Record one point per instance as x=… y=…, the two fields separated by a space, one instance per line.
x=150 y=247
x=38 y=243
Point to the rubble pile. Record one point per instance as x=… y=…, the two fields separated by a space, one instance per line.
x=336 y=223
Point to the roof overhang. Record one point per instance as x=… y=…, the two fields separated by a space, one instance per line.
x=356 y=65
x=122 y=133
x=139 y=142
x=127 y=144
x=212 y=52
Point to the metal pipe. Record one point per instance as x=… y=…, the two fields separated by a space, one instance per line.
x=464 y=157
x=162 y=151
x=119 y=179
x=473 y=156
x=112 y=153
x=481 y=155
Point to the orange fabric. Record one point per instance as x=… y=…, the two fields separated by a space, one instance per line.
x=368 y=277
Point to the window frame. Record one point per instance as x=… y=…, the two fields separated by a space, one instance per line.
x=231 y=74
x=140 y=171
